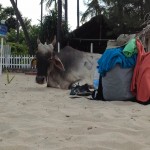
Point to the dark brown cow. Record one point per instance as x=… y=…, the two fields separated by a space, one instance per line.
x=61 y=70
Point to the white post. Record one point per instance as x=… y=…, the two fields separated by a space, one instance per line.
x=58 y=47
x=2 y=40
x=91 y=50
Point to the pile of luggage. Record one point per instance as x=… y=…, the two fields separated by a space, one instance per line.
x=124 y=71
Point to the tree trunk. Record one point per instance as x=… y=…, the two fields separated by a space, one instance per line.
x=77 y=13
x=17 y=28
x=66 y=11
x=59 y=21
x=18 y=15
x=41 y=13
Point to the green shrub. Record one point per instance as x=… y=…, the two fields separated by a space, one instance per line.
x=18 y=49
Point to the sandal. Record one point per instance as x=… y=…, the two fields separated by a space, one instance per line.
x=81 y=90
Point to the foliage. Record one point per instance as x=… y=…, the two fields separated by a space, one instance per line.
x=33 y=33
x=94 y=8
x=49 y=29
x=50 y=2
x=20 y=19
x=11 y=23
x=9 y=11
x=124 y=16
x=4 y=13
x=18 y=49
x=53 y=4
x=8 y=15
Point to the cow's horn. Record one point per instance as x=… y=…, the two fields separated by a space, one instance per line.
x=38 y=41
x=54 y=41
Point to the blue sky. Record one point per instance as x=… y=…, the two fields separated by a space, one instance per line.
x=31 y=9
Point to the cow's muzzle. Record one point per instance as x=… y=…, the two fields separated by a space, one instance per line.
x=40 y=79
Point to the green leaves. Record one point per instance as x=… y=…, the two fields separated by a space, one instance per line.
x=94 y=8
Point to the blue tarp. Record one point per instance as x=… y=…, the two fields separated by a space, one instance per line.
x=114 y=56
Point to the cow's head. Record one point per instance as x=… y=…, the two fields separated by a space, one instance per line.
x=47 y=60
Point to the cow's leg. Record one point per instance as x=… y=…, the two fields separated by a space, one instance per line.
x=65 y=85
x=51 y=82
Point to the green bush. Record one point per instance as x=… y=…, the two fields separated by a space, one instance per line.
x=18 y=49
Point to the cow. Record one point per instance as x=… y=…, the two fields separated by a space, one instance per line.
x=63 y=69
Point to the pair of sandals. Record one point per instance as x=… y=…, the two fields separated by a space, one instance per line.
x=82 y=90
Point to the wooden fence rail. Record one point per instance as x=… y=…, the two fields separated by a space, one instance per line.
x=17 y=61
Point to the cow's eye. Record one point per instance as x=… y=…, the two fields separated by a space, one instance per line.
x=50 y=59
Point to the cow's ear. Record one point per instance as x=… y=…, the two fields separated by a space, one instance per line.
x=57 y=62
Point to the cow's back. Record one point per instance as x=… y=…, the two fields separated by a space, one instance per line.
x=78 y=65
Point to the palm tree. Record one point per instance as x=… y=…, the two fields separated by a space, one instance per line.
x=59 y=21
x=93 y=9
x=17 y=26
x=41 y=13
x=58 y=9
x=50 y=2
x=19 y=17
x=66 y=11
x=78 y=13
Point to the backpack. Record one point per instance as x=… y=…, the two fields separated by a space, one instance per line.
x=116 y=84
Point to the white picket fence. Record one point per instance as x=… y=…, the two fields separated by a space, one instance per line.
x=16 y=62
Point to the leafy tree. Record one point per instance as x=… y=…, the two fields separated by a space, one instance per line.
x=9 y=11
x=33 y=33
x=19 y=17
x=53 y=24
x=18 y=49
x=3 y=16
x=94 y=8
x=11 y=39
x=11 y=23
x=7 y=14
x=146 y=6
x=49 y=3
x=126 y=16
x=10 y=35
x=49 y=27
x=53 y=5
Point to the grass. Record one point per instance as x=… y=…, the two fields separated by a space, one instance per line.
x=8 y=77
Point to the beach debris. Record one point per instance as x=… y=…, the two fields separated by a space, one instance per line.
x=8 y=77
x=89 y=128
x=67 y=116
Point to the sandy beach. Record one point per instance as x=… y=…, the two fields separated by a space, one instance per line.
x=34 y=117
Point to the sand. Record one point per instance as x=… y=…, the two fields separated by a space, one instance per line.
x=34 y=117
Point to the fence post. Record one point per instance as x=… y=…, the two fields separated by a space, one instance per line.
x=19 y=61
x=91 y=49
x=58 y=47
x=2 y=40
x=16 y=61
